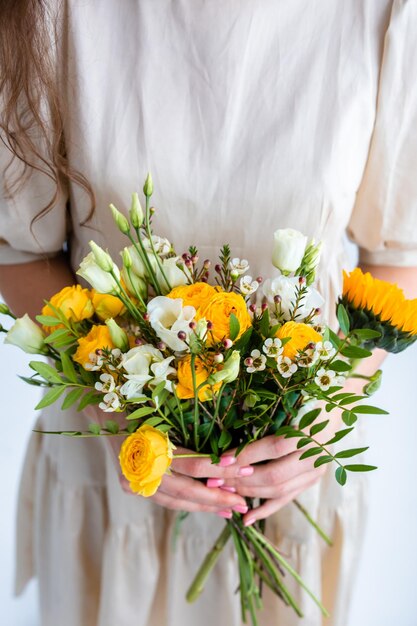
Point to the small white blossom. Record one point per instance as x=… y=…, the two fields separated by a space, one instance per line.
x=95 y=362
x=325 y=350
x=325 y=378
x=111 y=402
x=307 y=357
x=258 y=362
x=248 y=286
x=107 y=383
x=286 y=367
x=340 y=380
x=272 y=347
x=239 y=266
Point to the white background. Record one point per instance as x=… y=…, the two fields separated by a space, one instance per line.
x=385 y=586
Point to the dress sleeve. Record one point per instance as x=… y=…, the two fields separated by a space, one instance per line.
x=384 y=219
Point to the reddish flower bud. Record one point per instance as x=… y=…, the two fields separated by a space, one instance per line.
x=252 y=308
x=264 y=306
x=277 y=299
x=182 y=335
x=207 y=264
x=99 y=352
x=218 y=268
x=317 y=311
x=161 y=346
x=228 y=343
x=192 y=324
x=259 y=279
x=301 y=280
x=248 y=361
x=194 y=259
x=139 y=341
x=209 y=325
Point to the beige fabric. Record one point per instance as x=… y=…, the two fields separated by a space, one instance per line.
x=251 y=116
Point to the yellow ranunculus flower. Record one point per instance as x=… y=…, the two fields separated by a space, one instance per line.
x=197 y=295
x=74 y=302
x=301 y=335
x=184 y=388
x=97 y=339
x=218 y=311
x=106 y=305
x=144 y=458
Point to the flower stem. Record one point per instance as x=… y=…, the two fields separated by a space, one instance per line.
x=209 y=562
x=313 y=523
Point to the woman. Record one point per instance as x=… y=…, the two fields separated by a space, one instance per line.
x=251 y=116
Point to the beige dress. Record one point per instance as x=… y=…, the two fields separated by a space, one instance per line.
x=251 y=115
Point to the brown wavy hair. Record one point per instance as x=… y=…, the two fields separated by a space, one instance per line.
x=27 y=88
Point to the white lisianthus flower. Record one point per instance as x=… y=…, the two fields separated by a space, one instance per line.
x=27 y=336
x=110 y=403
x=256 y=362
x=325 y=379
x=248 y=286
x=168 y=317
x=100 y=280
x=288 y=250
x=144 y=365
x=272 y=347
x=138 y=266
x=286 y=287
x=175 y=275
x=230 y=370
x=325 y=350
x=286 y=367
x=239 y=266
x=161 y=245
x=107 y=383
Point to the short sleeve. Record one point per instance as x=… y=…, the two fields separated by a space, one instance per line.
x=384 y=219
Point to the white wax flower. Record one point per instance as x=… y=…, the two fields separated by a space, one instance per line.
x=27 y=335
x=100 y=280
x=168 y=317
x=288 y=250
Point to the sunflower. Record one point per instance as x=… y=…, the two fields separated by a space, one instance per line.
x=382 y=306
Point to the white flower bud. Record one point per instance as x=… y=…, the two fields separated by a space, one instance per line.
x=136 y=213
x=27 y=335
x=118 y=335
x=148 y=186
x=288 y=250
x=120 y=220
x=99 y=279
x=103 y=259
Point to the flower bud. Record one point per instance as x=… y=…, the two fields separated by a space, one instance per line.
x=218 y=268
x=146 y=317
x=118 y=335
x=148 y=186
x=161 y=346
x=228 y=343
x=136 y=213
x=127 y=259
x=230 y=370
x=288 y=250
x=120 y=220
x=277 y=299
x=182 y=335
x=103 y=259
x=234 y=275
x=218 y=358
x=27 y=335
x=259 y=279
x=252 y=308
x=209 y=325
x=194 y=259
x=207 y=264
x=248 y=361
x=4 y=309
x=139 y=341
x=192 y=325
x=301 y=280
x=264 y=306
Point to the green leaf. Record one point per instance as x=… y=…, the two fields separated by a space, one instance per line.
x=234 y=326
x=335 y=339
x=68 y=367
x=264 y=323
x=339 y=435
x=48 y=320
x=243 y=340
x=153 y=421
x=360 y=468
x=365 y=408
x=164 y=428
x=353 y=398
x=158 y=390
x=364 y=334
x=342 y=396
x=349 y=418
x=145 y=410
x=303 y=442
x=132 y=426
x=94 y=428
x=341 y=475
x=51 y=397
x=112 y=426
x=316 y=428
x=72 y=397
x=91 y=397
x=326 y=458
x=32 y=381
x=311 y=452
x=354 y=352
x=343 y=319
x=346 y=454
x=46 y=371
x=284 y=430
x=309 y=418
x=340 y=366
x=60 y=332
x=225 y=439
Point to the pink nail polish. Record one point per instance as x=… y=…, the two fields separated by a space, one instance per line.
x=240 y=508
x=246 y=471
x=214 y=482
x=225 y=514
x=230 y=489
x=227 y=460
x=249 y=521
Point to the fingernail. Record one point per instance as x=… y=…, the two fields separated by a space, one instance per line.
x=214 y=482
x=249 y=521
x=240 y=508
x=227 y=460
x=225 y=514
x=246 y=471
x=231 y=489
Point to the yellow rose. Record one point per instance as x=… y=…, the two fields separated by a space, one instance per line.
x=97 y=339
x=196 y=295
x=301 y=335
x=218 y=311
x=184 y=388
x=144 y=458
x=74 y=302
x=106 y=305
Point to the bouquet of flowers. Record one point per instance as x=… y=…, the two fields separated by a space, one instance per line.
x=212 y=367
